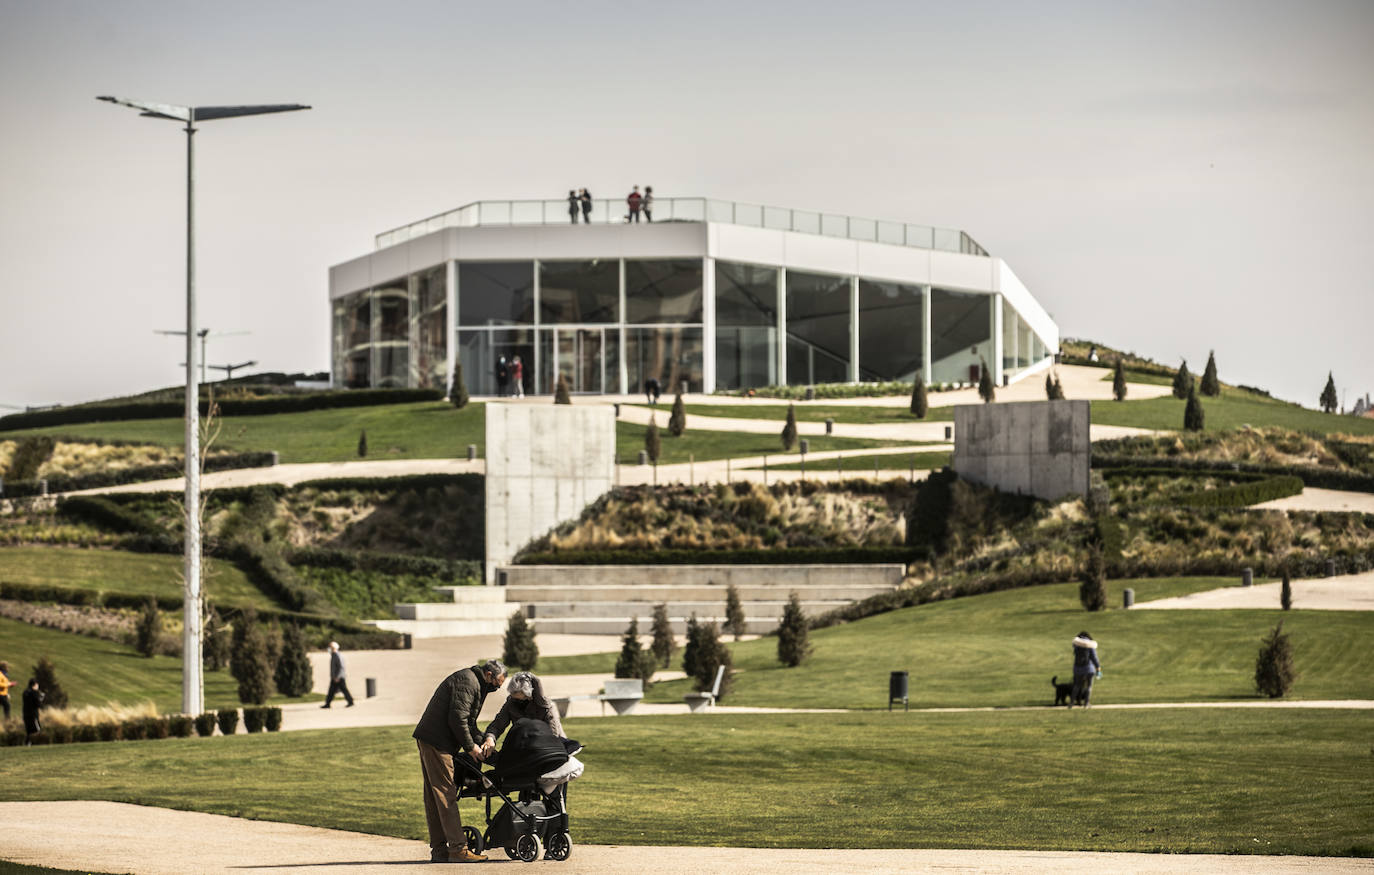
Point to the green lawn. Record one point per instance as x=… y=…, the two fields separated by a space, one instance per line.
x=1232 y=409
x=706 y=445
x=1139 y=377
x=885 y=462
x=118 y=571
x=1001 y=650
x=94 y=671
x=1265 y=781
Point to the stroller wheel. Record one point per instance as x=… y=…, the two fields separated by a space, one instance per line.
x=528 y=848
x=510 y=852
x=559 y=847
x=475 y=842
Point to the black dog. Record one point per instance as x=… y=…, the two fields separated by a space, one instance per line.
x=1062 y=692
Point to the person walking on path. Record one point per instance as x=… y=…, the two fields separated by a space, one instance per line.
x=586 y=198
x=574 y=205
x=338 y=677
x=1085 y=667
x=647 y=205
x=5 y=684
x=446 y=730
x=635 y=200
x=517 y=374
x=33 y=700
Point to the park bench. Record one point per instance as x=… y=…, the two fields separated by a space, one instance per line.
x=623 y=694
x=701 y=701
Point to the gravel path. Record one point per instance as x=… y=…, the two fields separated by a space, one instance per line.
x=116 y=837
x=1353 y=592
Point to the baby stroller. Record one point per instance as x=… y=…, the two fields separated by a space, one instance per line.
x=534 y=768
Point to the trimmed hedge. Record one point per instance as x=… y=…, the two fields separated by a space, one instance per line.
x=100 y=511
x=1320 y=478
x=474 y=483
x=141 y=474
x=1254 y=487
x=229 y=407
x=789 y=556
x=387 y=563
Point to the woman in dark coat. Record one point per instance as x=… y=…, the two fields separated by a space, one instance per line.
x=1085 y=667
x=33 y=700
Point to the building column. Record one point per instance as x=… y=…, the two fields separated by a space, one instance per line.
x=782 y=326
x=538 y=337
x=854 y=329
x=451 y=322
x=623 y=369
x=926 y=360
x=996 y=363
x=708 y=325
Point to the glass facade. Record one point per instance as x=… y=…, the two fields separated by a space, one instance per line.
x=663 y=291
x=960 y=335
x=481 y=350
x=429 y=329
x=588 y=356
x=579 y=291
x=891 y=342
x=671 y=354
x=817 y=328
x=496 y=293
x=746 y=325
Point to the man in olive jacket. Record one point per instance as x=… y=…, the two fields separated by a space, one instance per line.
x=448 y=728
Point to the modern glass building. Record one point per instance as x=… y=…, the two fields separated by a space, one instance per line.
x=709 y=295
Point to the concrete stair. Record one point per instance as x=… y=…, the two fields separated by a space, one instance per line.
x=473 y=610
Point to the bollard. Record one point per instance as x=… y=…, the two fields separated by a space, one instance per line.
x=472 y=452
x=1330 y=567
x=897 y=689
x=1247 y=577
x=805 y=446
x=643 y=457
x=949 y=432
x=829 y=426
x=1127 y=597
x=371 y=685
x=276 y=458
x=810 y=393
x=617 y=410
x=407 y=641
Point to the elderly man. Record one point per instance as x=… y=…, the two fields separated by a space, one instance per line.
x=338 y=677
x=448 y=728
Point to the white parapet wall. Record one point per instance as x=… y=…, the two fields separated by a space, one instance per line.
x=545 y=463
x=1039 y=448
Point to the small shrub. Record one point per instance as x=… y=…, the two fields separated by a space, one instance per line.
x=1193 y=417
x=272 y=721
x=735 y=623
x=205 y=724
x=1049 y=386
x=156 y=727
x=794 y=644
x=228 y=720
x=677 y=420
x=1210 y=385
x=1286 y=593
x=519 y=648
x=1092 y=591
x=1274 y=672
x=248 y=662
x=789 y=429
x=293 y=676
x=1119 y=381
x=920 y=404
x=691 y=651
x=59 y=734
x=633 y=661
x=29 y=456
x=986 y=391
x=1183 y=381
x=253 y=719
x=653 y=445
x=148 y=632
x=663 y=644
x=180 y=725
x=1328 y=400
x=133 y=729
x=561 y=392
x=458 y=395
x=85 y=733
x=362 y=443
x=53 y=694
x=107 y=731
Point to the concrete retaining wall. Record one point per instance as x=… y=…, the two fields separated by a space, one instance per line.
x=781 y=577
x=1038 y=448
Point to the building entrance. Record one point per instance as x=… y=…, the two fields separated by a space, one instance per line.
x=585 y=356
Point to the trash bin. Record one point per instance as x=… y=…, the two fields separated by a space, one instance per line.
x=805 y=446
x=897 y=689
x=472 y=452
x=371 y=687
x=810 y=393
x=1247 y=577
x=829 y=426
x=1127 y=597
x=1330 y=566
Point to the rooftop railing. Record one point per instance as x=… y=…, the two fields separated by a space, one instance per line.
x=689 y=209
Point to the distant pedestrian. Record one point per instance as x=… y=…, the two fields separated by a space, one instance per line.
x=648 y=203
x=517 y=373
x=635 y=201
x=33 y=700
x=5 y=684
x=1085 y=667
x=574 y=205
x=652 y=390
x=586 y=198
x=338 y=677
x=502 y=376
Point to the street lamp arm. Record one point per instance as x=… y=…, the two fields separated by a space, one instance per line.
x=210 y=113
x=153 y=110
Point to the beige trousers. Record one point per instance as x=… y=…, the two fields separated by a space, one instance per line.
x=441 y=799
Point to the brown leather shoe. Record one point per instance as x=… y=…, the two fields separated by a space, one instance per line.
x=465 y=856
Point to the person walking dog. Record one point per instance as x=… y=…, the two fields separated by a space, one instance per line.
x=1086 y=666
x=447 y=730
x=338 y=677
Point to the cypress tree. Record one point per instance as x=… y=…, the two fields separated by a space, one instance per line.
x=272 y=645
x=1210 y=386
x=653 y=445
x=1183 y=381
x=458 y=395
x=919 y=403
x=1092 y=589
x=248 y=660
x=561 y=393
x=1058 y=389
x=711 y=655
x=46 y=675
x=148 y=632
x=1328 y=399
x=789 y=429
x=691 y=651
x=985 y=387
x=677 y=420
x=1286 y=593
x=1193 y=417
x=1049 y=386
x=1119 y=381
x=518 y=647
x=663 y=644
x=215 y=645
x=1274 y=671
x=734 y=613
x=293 y=675
x=794 y=644
x=362 y=443
x=633 y=662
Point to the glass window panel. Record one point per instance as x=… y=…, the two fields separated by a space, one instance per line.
x=807 y=223
x=667 y=353
x=748 y=214
x=777 y=218
x=1010 y=333
x=496 y=293
x=960 y=335
x=430 y=329
x=891 y=232
x=1023 y=346
x=834 y=226
x=393 y=306
x=947 y=240
x=392 y=365
x=890 y=344
x=720 y=211
x=863 y=229
x=921 y=236
x=587 y=357
x=746 y=356
x=481 y=352
x=817 y=328
x=746 y=294
x=663 y=291
x=579 y=291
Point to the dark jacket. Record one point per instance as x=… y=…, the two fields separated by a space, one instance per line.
x=1085 y=661
x=336 y=667
x=531 y=749
x=450 y=719
x=33 y=700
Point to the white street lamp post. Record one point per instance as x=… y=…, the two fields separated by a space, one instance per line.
x=192 y=685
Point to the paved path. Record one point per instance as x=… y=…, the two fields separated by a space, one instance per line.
x=117 y=837
x=1312 y=498
x=1352 y=592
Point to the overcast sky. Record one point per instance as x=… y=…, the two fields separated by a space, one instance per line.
x=1168 y=178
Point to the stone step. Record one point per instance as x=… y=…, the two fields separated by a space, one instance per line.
x=496 y=610
x=770 y=610
x=617 y=626
x=477 y=594
x=443 y=628
x=655 y=593
x=698 y=575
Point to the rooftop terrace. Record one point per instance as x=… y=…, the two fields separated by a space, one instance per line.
x=691 y=209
